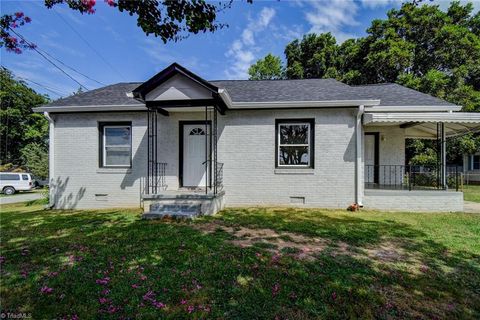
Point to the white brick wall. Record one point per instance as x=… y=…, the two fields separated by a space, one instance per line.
x=247 y=149
x=433 y=201
x=78 y=180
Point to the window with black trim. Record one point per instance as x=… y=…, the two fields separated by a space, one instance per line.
x=294 y=140
x=115 y=144
x=476 y=162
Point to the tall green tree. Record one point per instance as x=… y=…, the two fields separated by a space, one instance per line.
x=315 y=56
x=20 y=126
x=268 y=68
x=419 y=46
x=422 y=47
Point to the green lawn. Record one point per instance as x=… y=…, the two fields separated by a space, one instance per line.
x=240 y=264
x=471 y=193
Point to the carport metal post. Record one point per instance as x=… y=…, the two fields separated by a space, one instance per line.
x=443 y=155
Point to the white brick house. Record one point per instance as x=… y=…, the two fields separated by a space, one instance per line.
x=177 y=138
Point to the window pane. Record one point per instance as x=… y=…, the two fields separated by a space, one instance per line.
x=476 y=162
x=24 y=177
x=9 y=177
x=117 y=136
x=294 y=133
x=117 y=156
x=293 y=156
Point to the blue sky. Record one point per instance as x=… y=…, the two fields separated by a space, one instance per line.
x=122 y=52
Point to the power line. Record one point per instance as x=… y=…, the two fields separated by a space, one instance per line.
x=46 y=58
x=71 y=68
x=48 y=88
x=58 y=93
x=89 y=45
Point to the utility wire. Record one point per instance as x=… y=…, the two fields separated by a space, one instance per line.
x=48 y=59
x=58 y=93
x=89 y=45
x=71 y=68
x=48 y=88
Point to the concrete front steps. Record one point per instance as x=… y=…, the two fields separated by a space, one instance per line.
x=181 y=204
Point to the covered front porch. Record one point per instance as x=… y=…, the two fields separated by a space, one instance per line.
x=183 y=174
x=390 y=182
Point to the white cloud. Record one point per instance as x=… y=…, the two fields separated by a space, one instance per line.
x=332 y=16
x=266 y=15
x=373 y=4
x=242 y=50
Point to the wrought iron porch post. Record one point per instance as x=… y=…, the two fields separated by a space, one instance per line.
x=147 y=186
x=206 y=149
x=215 y=146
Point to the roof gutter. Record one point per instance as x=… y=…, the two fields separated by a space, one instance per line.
x=413 y=108
x=358 y=156
x=132 y=107
x=302 y=104
x=51 y=160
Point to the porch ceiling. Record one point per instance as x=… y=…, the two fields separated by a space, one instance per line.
x=424 y=124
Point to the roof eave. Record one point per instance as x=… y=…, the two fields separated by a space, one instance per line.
x=93 y=108
x=302 y=104
x=414 y=108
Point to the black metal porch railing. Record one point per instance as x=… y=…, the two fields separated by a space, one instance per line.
x=157 y=181
x=411 y=177
x=218 y=177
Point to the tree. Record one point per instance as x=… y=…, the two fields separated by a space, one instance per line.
x=8 y=22
x=169 y=20
x=312 y=57
x=35 y=159
x=19 y=125
x=422 y=47
x=268 y=68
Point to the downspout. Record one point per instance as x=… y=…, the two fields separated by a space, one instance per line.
x=51 y=162
x=359 y=156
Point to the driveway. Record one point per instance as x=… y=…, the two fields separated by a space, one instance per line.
x=21 y=197
x=471 y=207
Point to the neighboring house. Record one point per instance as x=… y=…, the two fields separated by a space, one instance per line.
x=179 y=139
x=471 y=167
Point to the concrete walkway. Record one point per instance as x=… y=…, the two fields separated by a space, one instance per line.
x=21 y=197
x=471 y=207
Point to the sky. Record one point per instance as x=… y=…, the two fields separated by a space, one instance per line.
x=108 y=47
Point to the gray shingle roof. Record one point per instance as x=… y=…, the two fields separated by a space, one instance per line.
x=114 y=94
x=392 y=94
x=270 y=90
x=287 y=90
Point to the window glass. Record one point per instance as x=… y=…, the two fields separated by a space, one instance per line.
x=9 y=177
x=294 y=144
x=24 y=176
x=476 y=162
x=197 y=132
x=117 y=146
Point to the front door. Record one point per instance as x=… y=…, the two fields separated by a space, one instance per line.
x=371 y=158
x=196 y=149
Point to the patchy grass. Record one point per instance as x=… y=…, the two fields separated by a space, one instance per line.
x=471 y=193
x=242 y=264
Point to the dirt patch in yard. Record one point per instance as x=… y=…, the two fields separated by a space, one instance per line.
x=302 y=247
x=307 y=247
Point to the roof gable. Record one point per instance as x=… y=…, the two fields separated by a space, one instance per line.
x=160 y=80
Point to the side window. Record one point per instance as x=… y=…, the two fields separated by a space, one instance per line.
x=9 y=177
x=25 y=176
x=294 y=143
x=476 y=162
x=115 y=144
